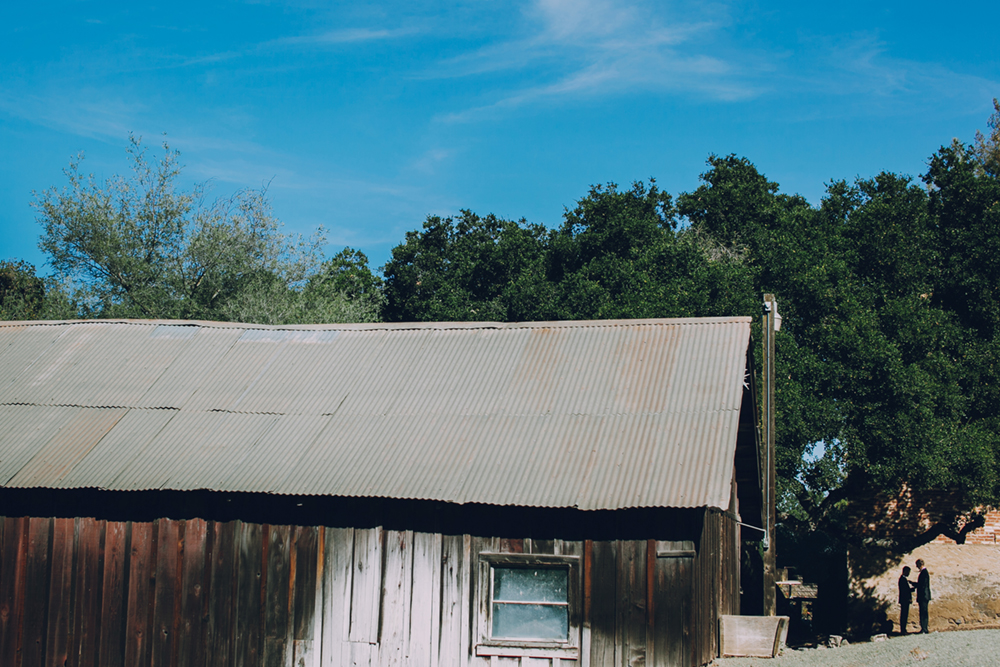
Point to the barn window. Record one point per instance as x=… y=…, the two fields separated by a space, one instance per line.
x=528 y=605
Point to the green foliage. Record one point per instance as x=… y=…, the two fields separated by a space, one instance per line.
x=22 y=293
x=348 y=273
x=964 y=201
x=344 y=290
x=140 y=247
x=986 y=150
x=888 y=350
x=790 y=251
x=469 y=268
x=617 y=255
x=59 y=303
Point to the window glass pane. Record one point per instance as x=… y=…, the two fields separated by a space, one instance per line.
x=525 y=584
x=530 y=621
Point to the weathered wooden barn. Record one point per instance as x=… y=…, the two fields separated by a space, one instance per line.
x=191 y=493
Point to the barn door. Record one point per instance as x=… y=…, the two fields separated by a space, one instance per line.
x=673 y=591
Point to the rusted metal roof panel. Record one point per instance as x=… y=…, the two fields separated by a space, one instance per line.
x=94 y=364
x=20 y=348
x=594 y=415
x=299 y=375
x=127 y=441
x=550 y=461
x=194 y=450
x=675 y=460
x=203 y=348
x=237 y=372
x=66 y=448
x=342 y=371
x=265 y=466
x=24 y=431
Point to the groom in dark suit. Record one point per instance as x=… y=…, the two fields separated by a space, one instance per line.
x=923 y=593
x=905 y=598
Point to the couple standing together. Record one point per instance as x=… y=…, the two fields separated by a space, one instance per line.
x=906 y=588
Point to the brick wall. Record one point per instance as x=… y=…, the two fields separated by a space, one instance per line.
x=906 y=513
x=985 y=535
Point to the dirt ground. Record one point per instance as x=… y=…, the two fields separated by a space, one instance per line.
x=965 y=585
x=979 y=648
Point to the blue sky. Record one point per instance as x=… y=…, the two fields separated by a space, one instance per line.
x=367 y=117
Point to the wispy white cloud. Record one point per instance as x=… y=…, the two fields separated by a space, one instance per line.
x=571 y=20
x=858 y=76
x=108 y=115
x=329 y=38
x=865 y=65
x=575 y=48
x=578 y=49
x=222 y=158
x=340 y=36
x=83 y=113
x=344 y=36
x=430 y=160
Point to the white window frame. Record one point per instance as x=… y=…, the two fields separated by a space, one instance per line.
x=487 y=645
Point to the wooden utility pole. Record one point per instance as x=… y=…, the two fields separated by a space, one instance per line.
x=771 y=323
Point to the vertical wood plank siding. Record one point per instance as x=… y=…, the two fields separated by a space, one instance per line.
x=84 y=592
x=714 y=584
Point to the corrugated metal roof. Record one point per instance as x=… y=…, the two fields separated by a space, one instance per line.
x=594 y=415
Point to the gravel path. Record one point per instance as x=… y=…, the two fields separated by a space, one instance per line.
x=972 y=648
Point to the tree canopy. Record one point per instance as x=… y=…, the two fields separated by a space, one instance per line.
x=465 y=268
x=22 y=293
x=886 y=357
x=139 y=246
x=617 y=255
